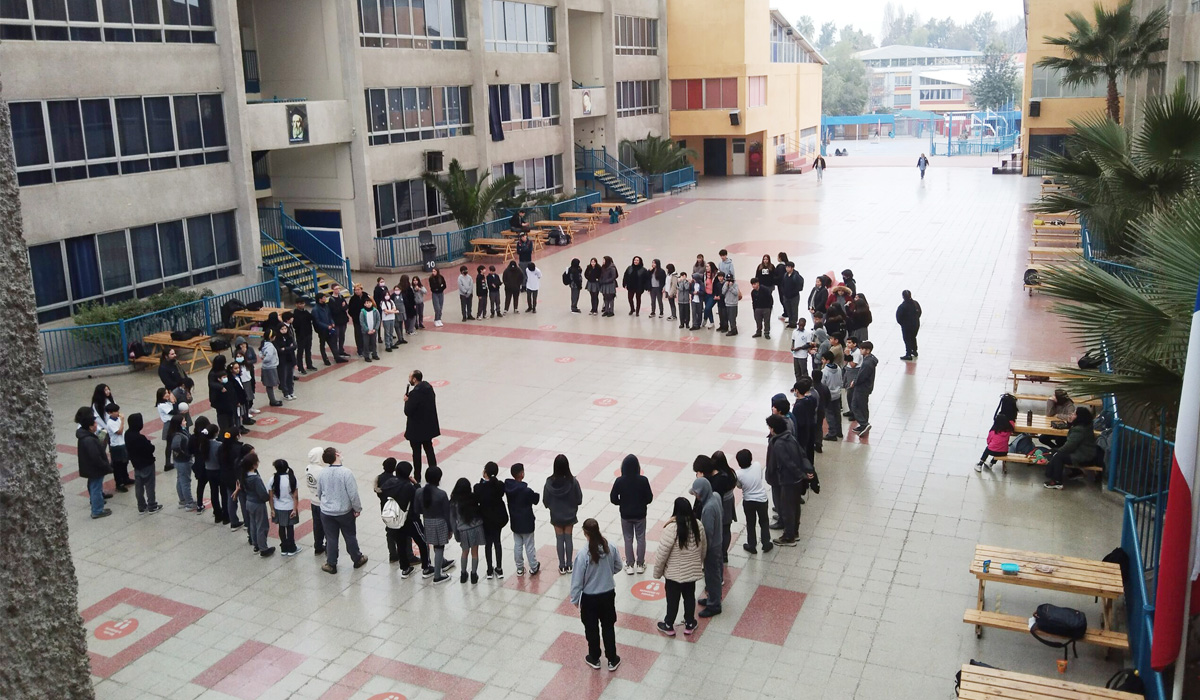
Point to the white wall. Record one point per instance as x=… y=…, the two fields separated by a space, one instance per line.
x=268 y=127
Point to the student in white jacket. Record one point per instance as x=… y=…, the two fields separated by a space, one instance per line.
x=533 y=282
x=753 y=483
x=312 y=473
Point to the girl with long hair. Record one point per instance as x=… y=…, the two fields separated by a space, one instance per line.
x=593 y=591
x=468 y=527
x=591 y=275
x=608 y=284
x=181 y=457
x=285 y=497
x=258 y=504
x=562 y=496
x=681 y=560
x=435 y=506
x=199 y=447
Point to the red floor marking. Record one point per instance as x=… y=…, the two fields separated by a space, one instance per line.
x=181 y=616
x=769 y=615
x=300 y=418
x=250 y=670
x=594 y=477
x=322 y=370
x=302 y=528
x=578 y=681
x=546 y=578
x=342 y=433
x=736 y=422
x=451 y=687
x=363 y=375
x=388 y=447
x=701 y=412
x=731 y=376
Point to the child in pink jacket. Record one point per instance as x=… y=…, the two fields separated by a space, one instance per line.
x=997 y=443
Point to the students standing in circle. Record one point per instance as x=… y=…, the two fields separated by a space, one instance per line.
x=631 y=492
x=489 y=492
x=593 y=591
x=681 y=560
x=562 y=496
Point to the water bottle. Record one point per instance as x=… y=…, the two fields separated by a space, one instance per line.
x=1029 y=418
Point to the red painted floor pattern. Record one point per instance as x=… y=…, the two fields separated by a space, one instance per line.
x=250 y=670
x=578 y=681
x=342 y=433
x=451 y=687
x=769 y=615
x=181 y=616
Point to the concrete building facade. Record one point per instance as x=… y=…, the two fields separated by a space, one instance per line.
x=148 y=137
x=920 y=78
x=745 y=87
x=1181 y=60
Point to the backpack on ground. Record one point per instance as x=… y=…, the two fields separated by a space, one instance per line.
x=219 y=344
x=1068 y=623
x=567 y=278
x=1022 y=445
x=137 y=349
x=392 y=516
x=1128 y=680
x=958 y=675
x=1007 y=407
x=1032 y=277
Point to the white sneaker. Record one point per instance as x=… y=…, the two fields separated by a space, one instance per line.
x=255 y=411
x=629 y=569
x=978 y=467
x=438 y=324
x=640 y=568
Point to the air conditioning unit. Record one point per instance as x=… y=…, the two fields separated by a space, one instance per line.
x=433 y=161
x=735 y=118
x=1035 y=108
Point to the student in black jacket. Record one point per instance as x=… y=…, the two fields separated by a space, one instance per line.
x=636 y=281
x=489 y=493
x=761 y=303
x=521 y=500
x=631 y=493
x=302 y=322
x=93 y=463
x=141 y=457
x=354 y=308
x=400 y=487
x=481 y=292
x=341 y=317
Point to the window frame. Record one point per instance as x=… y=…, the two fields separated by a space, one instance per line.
x=405 y=34
x=532 y=27
x=638 y=97
x=100 y=29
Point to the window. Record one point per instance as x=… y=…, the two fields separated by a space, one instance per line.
x=706 y=93
x=517 y=27
x=1191 y=78
x=139 y=261
x=408 y=205
x=446 y=112
x=413 y=24
x=903 y=80
x=180 y=21
x=1046 y=84
x=942 y=94
x=64 y=140
x=904 y=100
x=538 y=175
x=787 y=45
x=524 y=106
x=756 y=89
x=637 y=97
x=635 y=36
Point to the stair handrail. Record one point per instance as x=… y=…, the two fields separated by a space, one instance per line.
x=266 y=239
x=309 y=245
x=601 y=160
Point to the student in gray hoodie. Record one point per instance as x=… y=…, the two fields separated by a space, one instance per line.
x=631 y=491
x=466 y=290
x=708 y=510
x=562 y=496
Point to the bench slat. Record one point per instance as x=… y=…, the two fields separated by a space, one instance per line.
x=1016 y=623
x=995 y=682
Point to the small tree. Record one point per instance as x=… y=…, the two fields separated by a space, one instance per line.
x=657 y=154
x=1116 y=45
x=844 y=82
x=470 y=202
x=994 y=83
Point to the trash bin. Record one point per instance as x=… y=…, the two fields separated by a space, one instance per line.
x=428 y=249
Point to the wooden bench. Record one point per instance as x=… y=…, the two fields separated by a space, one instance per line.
x=587 y=218
x=1025 y=459
x=1042 y=241
x=1069 y=216
x=246 y=318
x=605 y=206
x=244 y=332
x=1095 y=579
x=1018 y=623
x=155 y=343
x=147 y=360
x=1057 y=228
x=1078 y=400
x=1053 y=254
x=1034 y=371
x=980 y=683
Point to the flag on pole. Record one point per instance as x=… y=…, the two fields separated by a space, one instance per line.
x=1175 y=572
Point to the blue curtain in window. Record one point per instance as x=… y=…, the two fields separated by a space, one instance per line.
x=49 y=283
x=85 y=267
x=495 y=121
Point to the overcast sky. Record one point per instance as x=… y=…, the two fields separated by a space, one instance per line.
x=867 y=14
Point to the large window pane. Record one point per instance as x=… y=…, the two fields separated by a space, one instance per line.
x=29 y=133
x=411 y=115
x=403 y=18
x=82 y=10
x=66 y=130
x=433 y=18
x=117 y=12
x=212 y=121
x=114 y=260
x=417 y=198
x=369 y=16
x=158 y=124
x=403 y=202
x=50 y=9
x=425 y=103
x=131 y=125
x=49 y=280
x=187 y=122
x=387 y=17
x=377 y=104
x=395 y=109
x=145 y=11
x=146 y=265
x=200 y=242
x=174 y=250
x=98 y=128
x=202 y=14
x=225 y=233
x=84 y=267
x=385 y=206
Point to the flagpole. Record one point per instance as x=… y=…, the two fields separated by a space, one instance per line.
x=1181 y=662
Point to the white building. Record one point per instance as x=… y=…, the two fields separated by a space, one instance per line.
x=917 y=77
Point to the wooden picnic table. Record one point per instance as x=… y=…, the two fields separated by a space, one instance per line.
x=1086 y=577
x=1053 y=255
x=605 y=206
x=1034 y=371
x=568 y=226
x=980 y=683
x=589 y=219
x=157 y=342
x=1040 y=426
x=1053 y=228
x=1055 y=240
x=483 y=246
x=245 y=318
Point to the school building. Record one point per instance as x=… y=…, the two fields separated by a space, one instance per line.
x=745 y=87
x=920 y=78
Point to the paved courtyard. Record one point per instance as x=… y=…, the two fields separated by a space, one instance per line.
x=868 y=606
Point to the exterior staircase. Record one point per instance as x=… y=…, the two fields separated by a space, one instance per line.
x=306 y=266
x=299 y=275
x=618 y=179
x=616 y=186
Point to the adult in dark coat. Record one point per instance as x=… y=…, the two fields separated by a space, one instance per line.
x=222 y=397
x=302 y=323
x=791 y=283
x=908 y=315
x=788 y=467
x=341 y=317
x=636 y=281
x=524 y=250
x=93 y=463
x=170 y=373
x=421 y=426
x=354 y=307
x=513 y=280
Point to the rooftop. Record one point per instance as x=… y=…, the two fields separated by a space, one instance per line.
x=901 y=51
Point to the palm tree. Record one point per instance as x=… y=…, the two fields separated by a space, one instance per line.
x=45 y=648
x=470 y=201
x=656 y=154
x=1116 y=45
x=1115 y=178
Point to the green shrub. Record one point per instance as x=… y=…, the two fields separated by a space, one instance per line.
x=98 y=312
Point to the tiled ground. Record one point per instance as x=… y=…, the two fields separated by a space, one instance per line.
x=869 y=606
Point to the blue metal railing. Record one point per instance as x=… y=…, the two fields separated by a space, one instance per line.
x=663 y=182
x=107 y=344
x=297 y=274
x=1141 y=538
x=592 y=160
x=981 y=146
x=281 y=227
x=250 y=70
x=540 y=212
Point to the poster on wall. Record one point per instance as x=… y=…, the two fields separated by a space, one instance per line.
x=297 y=116
x=586 y=98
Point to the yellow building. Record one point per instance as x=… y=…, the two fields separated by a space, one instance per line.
x=745 y=87
x=1052 y=105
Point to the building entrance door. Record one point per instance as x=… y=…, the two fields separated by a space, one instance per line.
x=714 y=157
x=739 y=156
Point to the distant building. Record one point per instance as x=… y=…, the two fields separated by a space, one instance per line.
x=918 y=77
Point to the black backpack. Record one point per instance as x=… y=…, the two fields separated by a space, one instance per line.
x=186 y=335
x=1068 y=623
x=1128 y=680
x=567 y=277
x=219 y=344
x=1091 y=360
x=958 y=675
x=1032 y=277
x=1007 y=407
x=137 y=349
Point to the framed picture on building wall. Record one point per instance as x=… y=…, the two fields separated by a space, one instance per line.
x=586 y=98
x=297 y=116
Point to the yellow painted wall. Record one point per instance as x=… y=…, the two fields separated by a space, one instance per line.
x=1048 y=18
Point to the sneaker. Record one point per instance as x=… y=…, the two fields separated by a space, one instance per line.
x=750 y=548
x=594 y=663
x=474 y=578
x=830 y=438
x=689 y=627
x=862 y=429
x=776 y=525
x=629 y=569
x=906 y=358
x=362 y=561
x=978 y=467
x=570 y=568
x=499 y=573
x=640 y=568
x=267 y=552
x=438 y=324
x=1049 y=484
x=767 y=336
x=848 y=414
x=296 y=550
x=614 y=664
x=756 y=335
x=709 y=612
x=249 y=421
x=154 y=508
x=233 y=527
x=256 y=550
x=108 y=511
x=520 y=571
x=318 y=551
x=703 y=602
x=255 y=411
x=666 y=629
x=535 y=569
x=784 y=542
x=448 y=566
x=407 y=571
x=328 y=568
x=491 y=574
x=443 y=578
x=427 y=572
x=767 y=546
x=562 y=570
x=122 y=489
x=462 y=578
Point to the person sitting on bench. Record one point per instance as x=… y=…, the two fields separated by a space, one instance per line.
x=1079 y=449
x=1058 y=407
x=517 y=222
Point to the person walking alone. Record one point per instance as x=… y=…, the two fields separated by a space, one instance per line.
x=593 y=591
x=922 y=163
x=819 y=166
x=421 y=424
x=908 y=315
